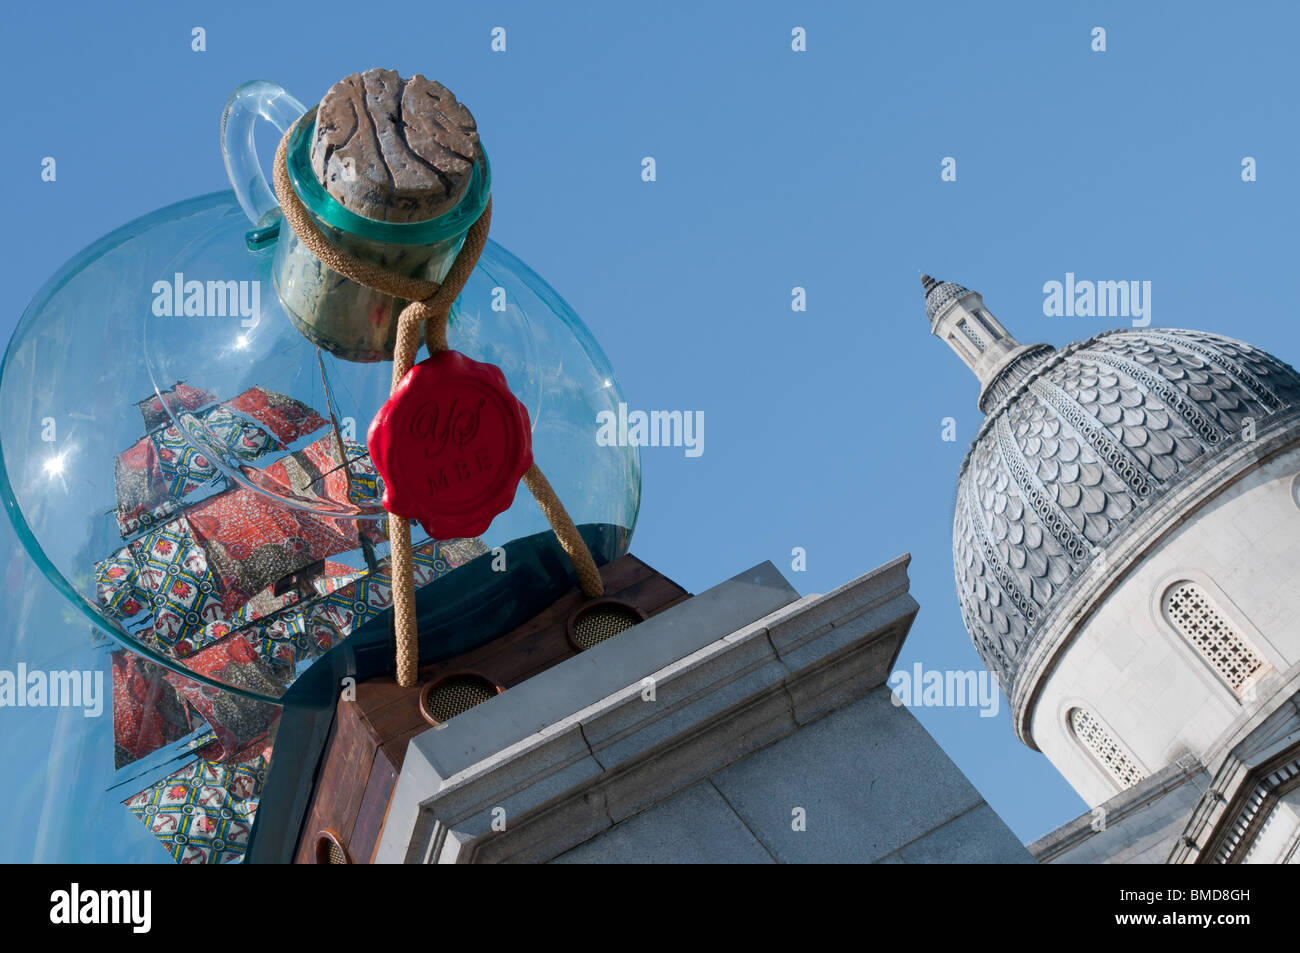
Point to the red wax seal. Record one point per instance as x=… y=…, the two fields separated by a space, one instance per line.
x=452 y=444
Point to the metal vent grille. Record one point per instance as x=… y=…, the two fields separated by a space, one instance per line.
x=329 y=850
x=457 y=694
x=1196 y=618
x=1104 y=748
x=601 y=622
x=973 y=335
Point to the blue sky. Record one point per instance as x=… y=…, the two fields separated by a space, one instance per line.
x=775 y=169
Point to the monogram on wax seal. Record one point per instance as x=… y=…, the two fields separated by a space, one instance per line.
x=452 y=444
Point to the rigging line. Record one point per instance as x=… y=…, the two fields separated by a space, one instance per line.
x=338 y=436
x=342 y=385
x=347 y=462
x=182 y=749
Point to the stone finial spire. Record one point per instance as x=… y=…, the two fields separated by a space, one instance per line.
x=959 y=317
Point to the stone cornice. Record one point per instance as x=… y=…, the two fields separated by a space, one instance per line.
x=1122 y=805
x=721 y=691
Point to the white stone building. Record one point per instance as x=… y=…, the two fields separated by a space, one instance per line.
x=1127 y=551
x=746 y=724
x=1126 y=544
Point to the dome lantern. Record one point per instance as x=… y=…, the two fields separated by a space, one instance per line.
x=959 y=317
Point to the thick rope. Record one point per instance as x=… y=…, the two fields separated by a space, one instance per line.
x=430 y=304
x=555 y=513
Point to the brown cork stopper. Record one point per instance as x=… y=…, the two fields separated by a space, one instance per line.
x=393 y=149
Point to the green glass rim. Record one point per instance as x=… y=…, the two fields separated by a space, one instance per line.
x=327 y=209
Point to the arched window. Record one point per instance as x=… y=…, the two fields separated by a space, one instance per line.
x=1104 y=748
x=1192 y=613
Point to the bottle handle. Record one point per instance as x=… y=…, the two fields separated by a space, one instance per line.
x=250 y=102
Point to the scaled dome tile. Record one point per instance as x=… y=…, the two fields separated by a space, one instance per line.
x=1151 y=403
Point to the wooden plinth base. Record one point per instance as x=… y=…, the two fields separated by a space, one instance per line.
x=368 y=740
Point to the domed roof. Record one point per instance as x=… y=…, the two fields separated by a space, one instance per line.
x=1078 y=445
x=939 y=293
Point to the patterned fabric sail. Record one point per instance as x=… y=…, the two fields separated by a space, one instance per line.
x=217 y=577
